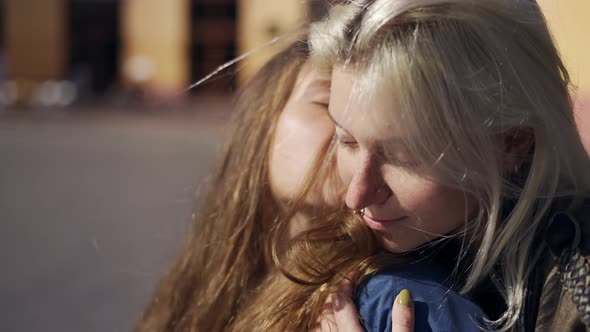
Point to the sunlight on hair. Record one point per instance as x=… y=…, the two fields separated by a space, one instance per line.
x=240 y=58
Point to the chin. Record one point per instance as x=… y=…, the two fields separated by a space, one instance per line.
x=397 y=246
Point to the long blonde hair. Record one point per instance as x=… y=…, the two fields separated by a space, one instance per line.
x=469 y=76
x=225 y=257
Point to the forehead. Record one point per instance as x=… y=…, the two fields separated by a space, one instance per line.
x=309 y=78
x=359 y=105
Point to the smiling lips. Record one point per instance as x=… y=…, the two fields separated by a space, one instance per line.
x=381 y=224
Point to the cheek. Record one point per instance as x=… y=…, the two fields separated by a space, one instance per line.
x=296 y=146
x=439 y=209
x=345 y=166
x=435 y=207
x=284 y=164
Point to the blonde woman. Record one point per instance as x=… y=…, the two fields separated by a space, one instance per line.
x=455 y=124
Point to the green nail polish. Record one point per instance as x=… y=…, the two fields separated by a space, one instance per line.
x=405 y=298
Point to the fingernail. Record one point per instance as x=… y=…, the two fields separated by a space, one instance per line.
x=405 y=298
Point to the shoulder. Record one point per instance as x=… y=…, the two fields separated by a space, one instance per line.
x=557 y=311
x=437 y=308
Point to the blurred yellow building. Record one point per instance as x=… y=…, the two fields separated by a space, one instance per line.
x=570 y=23
x=160 y=47
x=152 y=46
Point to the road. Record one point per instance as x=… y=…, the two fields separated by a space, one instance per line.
x=93 y=208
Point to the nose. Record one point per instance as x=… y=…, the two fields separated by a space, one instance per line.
x=367 y=186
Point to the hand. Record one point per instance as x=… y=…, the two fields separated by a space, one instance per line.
x=340 y=313
x=402 y=315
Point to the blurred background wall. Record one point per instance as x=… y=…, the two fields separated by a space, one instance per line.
x=57 y=52
x=570 y=23
x=104 y=47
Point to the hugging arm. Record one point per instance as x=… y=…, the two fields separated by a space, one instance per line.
x=341 y=314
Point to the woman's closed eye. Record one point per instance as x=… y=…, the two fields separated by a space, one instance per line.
x=320 y=103
x=400 y=158
x=346 y=142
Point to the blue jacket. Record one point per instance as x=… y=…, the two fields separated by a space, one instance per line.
x=437 y=308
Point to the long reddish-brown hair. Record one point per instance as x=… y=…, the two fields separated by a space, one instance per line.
x=225 y=258
x=235 y=272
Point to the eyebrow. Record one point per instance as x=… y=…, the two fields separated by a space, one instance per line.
x=397 y=141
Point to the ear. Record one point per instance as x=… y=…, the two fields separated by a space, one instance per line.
x=517 y=145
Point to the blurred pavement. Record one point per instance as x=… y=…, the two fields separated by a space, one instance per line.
x=93 y=207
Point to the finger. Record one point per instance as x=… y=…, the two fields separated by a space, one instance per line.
x=402 y=315
x=352 y=276
x=345 y=311
x=328 y=323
